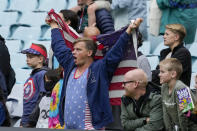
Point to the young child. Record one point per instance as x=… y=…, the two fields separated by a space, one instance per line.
x=36 y=59
x=170 y=71
x=92 y=8
x=87 y=9
x=54 y=103
x=51 y=78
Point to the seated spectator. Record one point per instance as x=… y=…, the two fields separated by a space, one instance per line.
x=173 y=38
x=4 y=115
x=34 y=85
x=170 y=71
x=141 y=107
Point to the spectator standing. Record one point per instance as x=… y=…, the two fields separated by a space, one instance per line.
x=86 y=107
x=141 y=108
x=34 y=85
x=173 y=38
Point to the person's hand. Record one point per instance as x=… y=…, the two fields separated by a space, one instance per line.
x=52 y=23
x=181 y=107
x=134 y=25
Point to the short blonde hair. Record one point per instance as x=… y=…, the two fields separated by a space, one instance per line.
x=177 y=29
x=172 y=64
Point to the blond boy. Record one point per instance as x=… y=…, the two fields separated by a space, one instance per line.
x=170 y=71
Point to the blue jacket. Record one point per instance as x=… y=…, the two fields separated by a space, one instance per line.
x=99 y=77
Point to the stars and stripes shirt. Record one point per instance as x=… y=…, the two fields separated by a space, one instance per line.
x=77 y=112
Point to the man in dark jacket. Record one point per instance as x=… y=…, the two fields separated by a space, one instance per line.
x=6 y=71
x=141 y=106
x=173 y=38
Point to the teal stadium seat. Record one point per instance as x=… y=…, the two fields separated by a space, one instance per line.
x=194 y=66
x=154 y=61
x=3 y=5
x=192 y=82
x=46 y=5
x=4 y=31
x=33 y=18
x=23 y=5
x=159 y=47
x=9 y=17
x=25 y=33
x=193 y=48
x=145 y=48
x=14 y=46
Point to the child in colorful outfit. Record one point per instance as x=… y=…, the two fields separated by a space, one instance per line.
x=34 y=85
x=51 y=78
x=170 y=71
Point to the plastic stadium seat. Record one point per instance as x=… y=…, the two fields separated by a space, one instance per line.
x=39 y=18
x=18 y=60
x=154 y=61
x=9 y=17
x=70 y=3
x=22 y=75
x=14 y=46
x=160 y=47
x=3 y=5
x=193 y=48
x=26 y=33
x=4 y=31
x=145 y=48
x=46 y=5
x=47 y=35
x=192 y=82
x=23 y=5
x=194 y=67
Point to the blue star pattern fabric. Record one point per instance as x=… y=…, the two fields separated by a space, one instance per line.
x=75 y=103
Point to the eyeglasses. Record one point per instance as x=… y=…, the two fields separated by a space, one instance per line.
x=125 y=82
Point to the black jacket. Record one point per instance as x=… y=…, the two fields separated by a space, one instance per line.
x=184 y=56
x=6 y=68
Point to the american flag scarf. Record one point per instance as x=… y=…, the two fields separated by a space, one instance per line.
x=129 y=61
